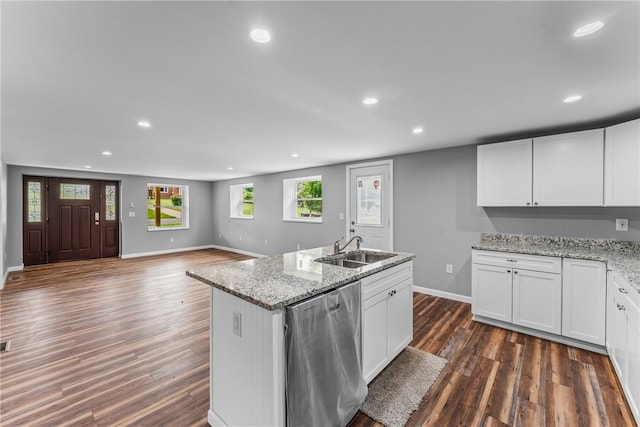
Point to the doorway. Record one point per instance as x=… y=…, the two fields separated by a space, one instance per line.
x=370 y=203
x=69 y=219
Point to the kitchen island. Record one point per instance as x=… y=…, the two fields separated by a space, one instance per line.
x=248 y=299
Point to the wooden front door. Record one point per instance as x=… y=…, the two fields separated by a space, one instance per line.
x=76 y=219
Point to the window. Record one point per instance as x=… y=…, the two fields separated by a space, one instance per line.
x=302 y=199
x=34 y=201
x=241 y=201
x=168 y=209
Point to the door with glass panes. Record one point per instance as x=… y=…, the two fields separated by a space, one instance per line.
x=69 y=219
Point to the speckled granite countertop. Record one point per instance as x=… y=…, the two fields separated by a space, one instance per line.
x=281 y=280
x=622 y=257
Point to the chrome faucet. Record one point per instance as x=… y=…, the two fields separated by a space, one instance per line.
x=336 y=245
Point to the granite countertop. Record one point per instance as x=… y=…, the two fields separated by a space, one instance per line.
x=622 y=257
x=277 y=281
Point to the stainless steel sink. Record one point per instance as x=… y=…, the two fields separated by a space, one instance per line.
x=367 y=257
x=354 y=259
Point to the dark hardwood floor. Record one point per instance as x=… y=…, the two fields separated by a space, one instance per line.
x=125 y=342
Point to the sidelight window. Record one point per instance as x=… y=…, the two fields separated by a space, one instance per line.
x=34 y=201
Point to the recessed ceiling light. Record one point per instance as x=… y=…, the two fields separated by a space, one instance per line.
x=106 y=153
x=417 y=130
x=87 y=166
x=229 y=168
x=573 y=98
x=590 y=28
x=295 y=155
x=143 y=124
x=370 y=101
x=260 y=35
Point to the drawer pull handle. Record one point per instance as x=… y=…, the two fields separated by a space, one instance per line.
x=392 y=293
x=621 y=307
x=622 y=290
x=512 y=260
x=508 y=271
x=515 y=272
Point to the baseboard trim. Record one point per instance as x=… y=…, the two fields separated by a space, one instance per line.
x=238 y=251
x=15 y=268
x=442 y=294
x=164 y=252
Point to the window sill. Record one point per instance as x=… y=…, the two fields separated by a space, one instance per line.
x=241 y=217
x=312 y=221
x=166 y=228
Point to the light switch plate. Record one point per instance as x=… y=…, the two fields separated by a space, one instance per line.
x=132 y=214
x=622 y=224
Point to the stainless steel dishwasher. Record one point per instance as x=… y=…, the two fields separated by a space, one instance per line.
x=324 y=385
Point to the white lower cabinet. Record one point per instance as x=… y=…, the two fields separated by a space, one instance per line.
x=537 y=300
x=387 y=317
x=623 y=338
x=584 y=290
x=525 y=290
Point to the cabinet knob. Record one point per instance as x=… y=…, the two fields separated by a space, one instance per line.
x=508 y=271
x=622 y=290
x=528 y=203
x=621 y=307
x=535 y=203
x=515 y=272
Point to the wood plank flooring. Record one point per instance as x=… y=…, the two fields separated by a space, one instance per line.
x=125 y=342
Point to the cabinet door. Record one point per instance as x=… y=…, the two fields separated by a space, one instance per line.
x=622 y=164
x=568 y=169
x=633 y=360
x=374 y=335
x=504 y=174
x=491 y=291
x=619 y=356
x=611 y=309
x=584 y=289
x=537 y=300
x=400 y=318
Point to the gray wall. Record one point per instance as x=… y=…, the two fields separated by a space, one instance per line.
x=440 y=186
x=281 y=236
x=135 y=239
x=435 y=211
x=3 y=221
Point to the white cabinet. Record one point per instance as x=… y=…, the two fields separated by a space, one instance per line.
x=537 y=300
x=387 y=317
x=584 y=300
x=525 y=290
x=568 y=169
x=491 y=291
x=504 y=173
x=622 y=164
x=623 y=337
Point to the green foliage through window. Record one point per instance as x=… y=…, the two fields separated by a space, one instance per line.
x=309 y=199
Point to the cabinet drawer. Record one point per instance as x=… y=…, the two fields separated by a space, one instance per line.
x=625 y=292
x=521 y=261
x=386 y=279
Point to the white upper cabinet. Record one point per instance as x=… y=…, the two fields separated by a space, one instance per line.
x=568 y=169
x=622 y=164
x=504 y=173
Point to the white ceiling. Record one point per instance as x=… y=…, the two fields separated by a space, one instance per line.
x=77 y=76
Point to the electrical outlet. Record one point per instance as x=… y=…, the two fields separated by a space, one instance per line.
x=265 y=242
x=237 y=323
x=241 y=237
x=171 y=239
x=132 y=214
x=449 y=269
x=342 y=215
x=219 y=235
x=622 y=224
x=298 y=247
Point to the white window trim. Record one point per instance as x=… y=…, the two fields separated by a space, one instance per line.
x=289 y=208
x=185 y=208
x=236 y=200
